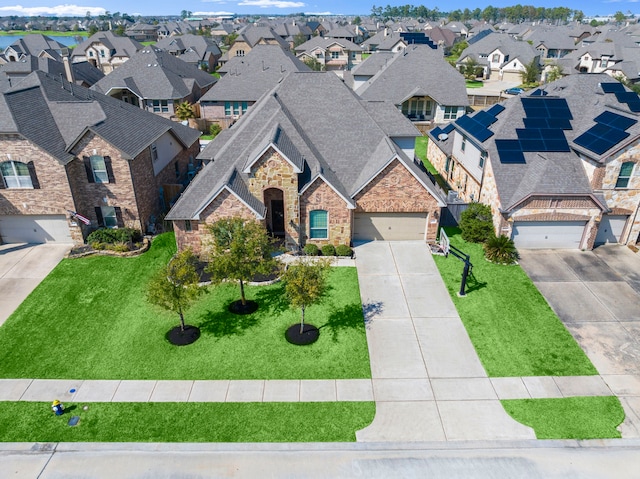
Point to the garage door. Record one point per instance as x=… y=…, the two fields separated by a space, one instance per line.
x=35 y=229
x=548 y=234
x=610 y=229
x=390 y=226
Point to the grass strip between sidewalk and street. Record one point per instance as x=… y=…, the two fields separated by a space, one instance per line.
x=89 y=319
x=511 y=326
x=186 y=422
x=569 y=418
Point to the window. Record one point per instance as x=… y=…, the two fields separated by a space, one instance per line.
x=335 y=55
x=187 y=225
x=16 y=174
x=99 y=169
x=239 y=53
x=235 y=108
x=483 y=159
x=154 y=152
x=160 y=106
x=318 y=224
x=450 y=112
x=625 y=173
x=353 y=55
x=463 y=145
x=90 y=53
x=319 y=55
x=227 y=108
x=446 y=166
x=102 y=53
x=109 y=218
x=496 y=58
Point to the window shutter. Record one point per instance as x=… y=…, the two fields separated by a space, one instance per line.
x=87 y=167
x=34 y=178
x=107 y=164
x=99 y=216
x=119 y=220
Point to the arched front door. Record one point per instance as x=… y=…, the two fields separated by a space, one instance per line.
x=274 y=201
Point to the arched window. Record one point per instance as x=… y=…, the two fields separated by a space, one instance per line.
x=318 y=224
x=16 y=174
x=625 y=173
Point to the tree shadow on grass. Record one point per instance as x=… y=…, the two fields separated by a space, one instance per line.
x=343 y=319
x=223 y=323
x=272 y=299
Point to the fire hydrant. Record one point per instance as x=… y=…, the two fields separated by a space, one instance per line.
x=57 y=407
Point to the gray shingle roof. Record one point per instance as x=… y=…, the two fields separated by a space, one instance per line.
x=507 y=45
x=66 y=111
x=313 y=118
x=155 y=74
x=417 y=68
x=324 y=43
x=34 y=43
x=248 y=78
x=119 y=46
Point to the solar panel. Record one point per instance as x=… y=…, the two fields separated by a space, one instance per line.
x=536 y=122
x=560 y=145
x=539 y=92
x=496 y=109
x=600 y=138
x=448 y=129
x=634 y=106
x=483 y=135
x=509 y=151
x=612 y=87
x=626 y=96
x=559 y=123
x=529 y=134
x=484 y=118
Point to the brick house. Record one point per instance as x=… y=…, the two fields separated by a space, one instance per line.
x=334 y=54
x=315 y=164
x=106 y=51
x=559 y=166
x=82 y=153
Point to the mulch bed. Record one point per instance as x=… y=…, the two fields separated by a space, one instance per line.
x=309 y=334
x=238 y=308
x=177 y=337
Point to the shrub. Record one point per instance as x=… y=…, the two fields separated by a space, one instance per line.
x=118 y=247
x=114 y=235
x=500 y=249
x=476 y=223
x=310 y=249
x=343 y=250
x=328 y=250
x=214 y=129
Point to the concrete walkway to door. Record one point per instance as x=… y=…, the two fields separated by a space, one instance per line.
x=428 y=382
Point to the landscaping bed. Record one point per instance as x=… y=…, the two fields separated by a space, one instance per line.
x=511 y=326
x=89 y=319
x=186 y=422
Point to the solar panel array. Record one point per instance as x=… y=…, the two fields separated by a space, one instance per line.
x=545 y=120
x=610 y=129
x=623 y=96
x=418 y=38
x=477 y=125
x=437 y=131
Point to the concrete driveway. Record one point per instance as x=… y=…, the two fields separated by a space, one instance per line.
x=596 y=294
x=22 y=267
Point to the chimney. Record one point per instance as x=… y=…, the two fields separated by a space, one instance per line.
x=386 y=31
x=68 y=70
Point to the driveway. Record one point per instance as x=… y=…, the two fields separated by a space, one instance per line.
x=428 y=382
x=22 y=267
x=596 y=294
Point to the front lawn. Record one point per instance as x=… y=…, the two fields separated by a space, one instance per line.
x=474 y=84
x=513 y=329
x=89 y=320
x=186 y=422
x=569 y=418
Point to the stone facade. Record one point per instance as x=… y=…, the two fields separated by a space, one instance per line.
x=320 y=196
x=396 y=190
x=271 y=170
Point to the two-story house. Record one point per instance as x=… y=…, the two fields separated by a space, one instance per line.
x=106 y=51
x=197 y=50
x=36 y=45
x=559 y=166
x=333 y=54
x=315 y=164
x=68 y=154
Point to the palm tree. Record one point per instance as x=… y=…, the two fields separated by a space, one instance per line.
x=184 y=111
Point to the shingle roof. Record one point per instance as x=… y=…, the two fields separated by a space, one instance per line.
x=181 y=45
x=416 y=68
x=507 y=45
x=34 y=43
x=324 y=43
x=66 y=111
x=155 y=74
x=313 y=118
x=120 y=46
x=248 y=78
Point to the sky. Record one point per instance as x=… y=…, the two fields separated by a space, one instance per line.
x=283 y=7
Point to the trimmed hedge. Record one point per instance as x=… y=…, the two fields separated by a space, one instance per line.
x=328 y=250
x=310 y=249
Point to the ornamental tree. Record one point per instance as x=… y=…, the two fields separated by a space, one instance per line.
x=305 y=283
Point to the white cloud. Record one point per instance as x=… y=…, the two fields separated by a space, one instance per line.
x=271 y=3
x=318 y=14
x=58 y=10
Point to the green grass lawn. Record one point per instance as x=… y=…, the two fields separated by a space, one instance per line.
x=186 y=422
x=569 y=418
x=421 y=152
x=474 y=84
x=512 y=327
x=89 y=320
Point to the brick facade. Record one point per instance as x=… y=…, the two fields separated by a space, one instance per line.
x=320 y=196
x=396 y=190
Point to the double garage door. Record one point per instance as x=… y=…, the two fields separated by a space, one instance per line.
x=389 y=226
x=548 y=234
x=34 y=229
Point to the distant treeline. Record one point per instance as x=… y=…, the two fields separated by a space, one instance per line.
x=514 y=14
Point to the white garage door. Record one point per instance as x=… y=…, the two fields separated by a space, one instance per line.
x=35 y=229
x=610 y=229
x=390 y=226
x=548 y=234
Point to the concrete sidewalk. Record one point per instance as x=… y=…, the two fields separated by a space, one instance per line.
x=427 y=378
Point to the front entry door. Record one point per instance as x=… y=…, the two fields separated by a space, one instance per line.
x=277 y=217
